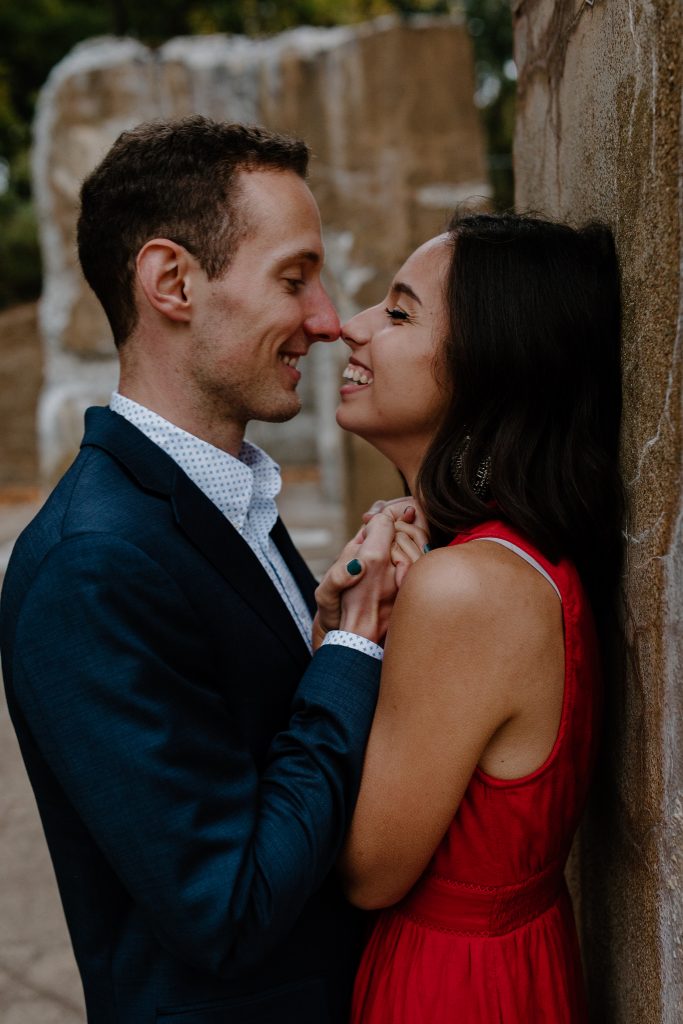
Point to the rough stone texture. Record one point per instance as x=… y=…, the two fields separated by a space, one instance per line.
x=388 y=111
x=21 y=372
x=598 y=135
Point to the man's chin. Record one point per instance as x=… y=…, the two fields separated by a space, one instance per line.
x=284 y=412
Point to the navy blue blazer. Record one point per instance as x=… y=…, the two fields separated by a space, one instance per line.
x=194 y=769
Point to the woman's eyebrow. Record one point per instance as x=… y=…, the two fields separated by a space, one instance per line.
x=401 y=288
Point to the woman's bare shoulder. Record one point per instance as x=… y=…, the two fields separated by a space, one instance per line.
x=483 y=577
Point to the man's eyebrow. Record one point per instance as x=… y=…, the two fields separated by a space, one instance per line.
x=401 y=288
x=301 y=256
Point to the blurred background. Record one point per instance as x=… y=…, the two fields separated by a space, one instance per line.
x=408 y=108
x=36 y=34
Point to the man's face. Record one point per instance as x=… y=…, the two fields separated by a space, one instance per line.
x=254 y=324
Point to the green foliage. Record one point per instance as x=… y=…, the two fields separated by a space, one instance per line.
x=36 y=34
x=256 y=17
x=490 y=26
x=19 y=254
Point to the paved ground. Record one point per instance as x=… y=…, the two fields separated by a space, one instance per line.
x=39 y=983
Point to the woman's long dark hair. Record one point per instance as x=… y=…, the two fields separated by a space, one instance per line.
x=533 y=357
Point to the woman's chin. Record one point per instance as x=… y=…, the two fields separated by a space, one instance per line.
x=346 y=420
x=362 y=428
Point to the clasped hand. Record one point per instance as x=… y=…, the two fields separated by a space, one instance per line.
x=393 y=537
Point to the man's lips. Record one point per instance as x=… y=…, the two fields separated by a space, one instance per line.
x=291 y=358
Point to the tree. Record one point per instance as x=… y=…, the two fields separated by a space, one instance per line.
x=490 y=25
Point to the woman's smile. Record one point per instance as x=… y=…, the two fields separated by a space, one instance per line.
x=357 y=374
x=395 y=348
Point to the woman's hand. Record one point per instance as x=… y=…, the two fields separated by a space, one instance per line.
x=406 y=509
x=339 y=577
x=408 y=544
x=366 y=607
x=358 y=591
x=412 y=535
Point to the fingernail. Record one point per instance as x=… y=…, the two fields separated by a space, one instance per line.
x=426 y=548
x=354 y=567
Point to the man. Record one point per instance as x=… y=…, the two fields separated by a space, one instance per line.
x=195 y=774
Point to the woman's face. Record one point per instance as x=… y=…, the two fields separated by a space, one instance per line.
x=391 y=395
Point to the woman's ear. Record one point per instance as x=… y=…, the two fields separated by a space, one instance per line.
x=163 y=269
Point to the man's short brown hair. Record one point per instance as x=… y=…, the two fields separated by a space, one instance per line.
x=170 y=179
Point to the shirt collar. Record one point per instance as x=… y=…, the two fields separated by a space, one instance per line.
x=242 y=488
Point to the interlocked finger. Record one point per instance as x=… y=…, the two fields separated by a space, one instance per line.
x=404 y=549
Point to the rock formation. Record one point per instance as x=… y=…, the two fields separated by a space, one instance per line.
x=598 y=136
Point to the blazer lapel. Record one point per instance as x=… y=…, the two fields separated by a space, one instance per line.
x=204 y=525
x=230 y=554
x=305 y=579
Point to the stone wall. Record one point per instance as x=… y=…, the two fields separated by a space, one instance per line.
x=599 y=136
x=387 y=108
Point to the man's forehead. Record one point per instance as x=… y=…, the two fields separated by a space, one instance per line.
x=273 y=186
x=280 y=218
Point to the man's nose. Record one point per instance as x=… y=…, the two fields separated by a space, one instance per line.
x=322 y=322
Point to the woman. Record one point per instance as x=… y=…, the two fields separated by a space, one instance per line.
x=490 y=376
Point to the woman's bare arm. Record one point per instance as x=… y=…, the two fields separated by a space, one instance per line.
x=472 y=632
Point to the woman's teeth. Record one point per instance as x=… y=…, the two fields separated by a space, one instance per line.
x=357 y=376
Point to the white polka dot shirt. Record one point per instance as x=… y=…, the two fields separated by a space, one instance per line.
x=244 y=490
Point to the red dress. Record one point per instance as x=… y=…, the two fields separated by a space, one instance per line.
x=487 y=935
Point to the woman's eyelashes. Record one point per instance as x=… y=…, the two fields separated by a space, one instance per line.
x=396 y=314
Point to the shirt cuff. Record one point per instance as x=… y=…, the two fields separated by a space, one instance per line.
x=358 y=643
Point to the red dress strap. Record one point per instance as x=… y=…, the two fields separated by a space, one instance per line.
x=497 y=529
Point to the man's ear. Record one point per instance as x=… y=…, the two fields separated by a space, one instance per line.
x=163 y=269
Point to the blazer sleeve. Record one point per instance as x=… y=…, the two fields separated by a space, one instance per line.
x=220 y=858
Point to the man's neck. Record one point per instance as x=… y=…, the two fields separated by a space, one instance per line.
x=228 y=436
